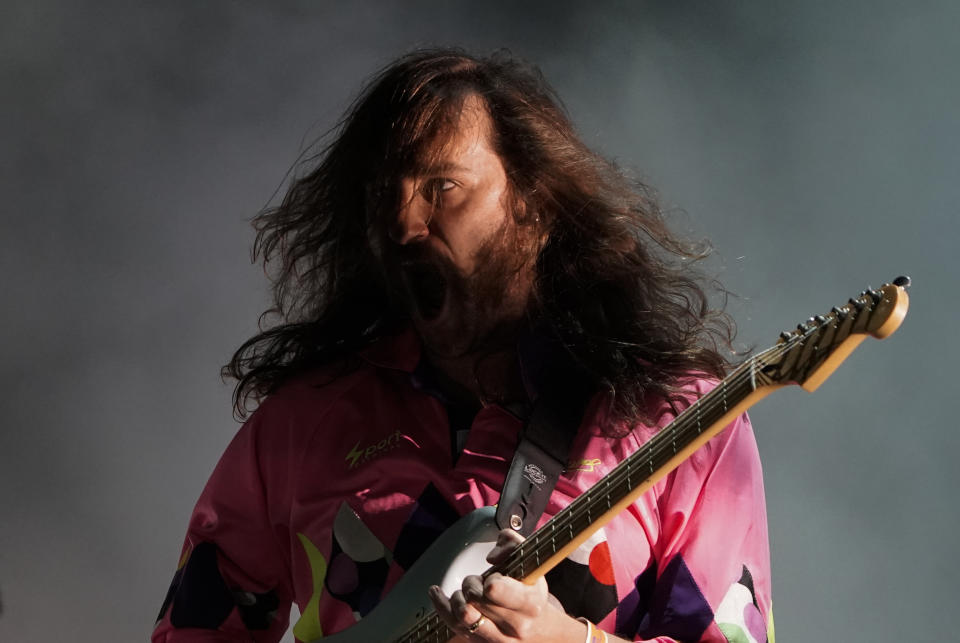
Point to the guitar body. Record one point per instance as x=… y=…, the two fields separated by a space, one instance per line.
x=460 y=551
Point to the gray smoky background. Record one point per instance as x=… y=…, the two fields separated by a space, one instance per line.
x=815 y=144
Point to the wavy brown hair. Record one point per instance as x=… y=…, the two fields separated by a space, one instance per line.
x=613 y=284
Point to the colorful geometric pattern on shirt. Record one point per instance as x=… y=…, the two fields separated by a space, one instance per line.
x=358 y=564
x=738 y=615
x=633 y=612
x=308 y=626
x=171 y=591
x=201 y=598
x=258 y=611
x=431 y=516
x=584 y=583
x=174 y=585
x=675 y=608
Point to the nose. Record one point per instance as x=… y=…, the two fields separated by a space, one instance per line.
x=413 y=221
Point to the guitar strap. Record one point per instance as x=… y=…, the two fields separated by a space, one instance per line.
x=562 y=394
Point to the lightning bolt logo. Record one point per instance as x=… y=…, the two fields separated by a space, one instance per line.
x=354 y=456
x=358 y=455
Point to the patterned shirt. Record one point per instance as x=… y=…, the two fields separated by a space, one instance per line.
x=339 y=482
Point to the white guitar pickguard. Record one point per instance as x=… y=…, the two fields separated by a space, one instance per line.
x=472 y=558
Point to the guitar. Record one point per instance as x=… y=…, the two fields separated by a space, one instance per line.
x=805 y=356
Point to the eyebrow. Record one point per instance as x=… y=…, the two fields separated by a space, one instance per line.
x=442 y=167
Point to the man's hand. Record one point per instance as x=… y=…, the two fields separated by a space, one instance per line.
x=504 y=609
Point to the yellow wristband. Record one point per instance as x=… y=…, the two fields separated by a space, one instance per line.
x=594 y=634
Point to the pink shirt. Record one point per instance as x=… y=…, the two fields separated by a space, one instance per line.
x=336 y=485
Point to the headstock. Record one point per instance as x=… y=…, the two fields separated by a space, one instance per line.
x=808 y=355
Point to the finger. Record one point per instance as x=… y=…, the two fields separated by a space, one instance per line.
x=510 y=605
x=472 y=589
x=501 y=621
x=503 y=591
x=440 y=603
x=464 y=614
x=500 y=617
x=507 y=541
x=455 y=611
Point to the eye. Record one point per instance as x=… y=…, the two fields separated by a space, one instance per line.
x=433 y=189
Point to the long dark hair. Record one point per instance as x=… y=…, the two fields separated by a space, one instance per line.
x=612 y=284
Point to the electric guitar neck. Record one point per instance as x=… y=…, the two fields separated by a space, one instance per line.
x=804 y=357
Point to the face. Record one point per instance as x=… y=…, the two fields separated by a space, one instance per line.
x=455 y=256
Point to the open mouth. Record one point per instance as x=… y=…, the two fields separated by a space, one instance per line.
x=428 y=286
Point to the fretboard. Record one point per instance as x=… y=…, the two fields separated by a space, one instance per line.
x=625 y=482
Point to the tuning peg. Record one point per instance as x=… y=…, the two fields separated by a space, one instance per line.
x=841 y=313
x=785 y=336
x=876 y=296
x=857 y=303
x=820 y=319
x=903 y=281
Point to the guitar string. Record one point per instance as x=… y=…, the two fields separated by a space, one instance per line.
x=658 y=450
x=616 y=485
x=624 y=473
x=619 y=482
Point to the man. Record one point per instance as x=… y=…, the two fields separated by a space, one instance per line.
x=456 y=249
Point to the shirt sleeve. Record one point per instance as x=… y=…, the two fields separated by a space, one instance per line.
x=232 y=582
x=713 y=560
